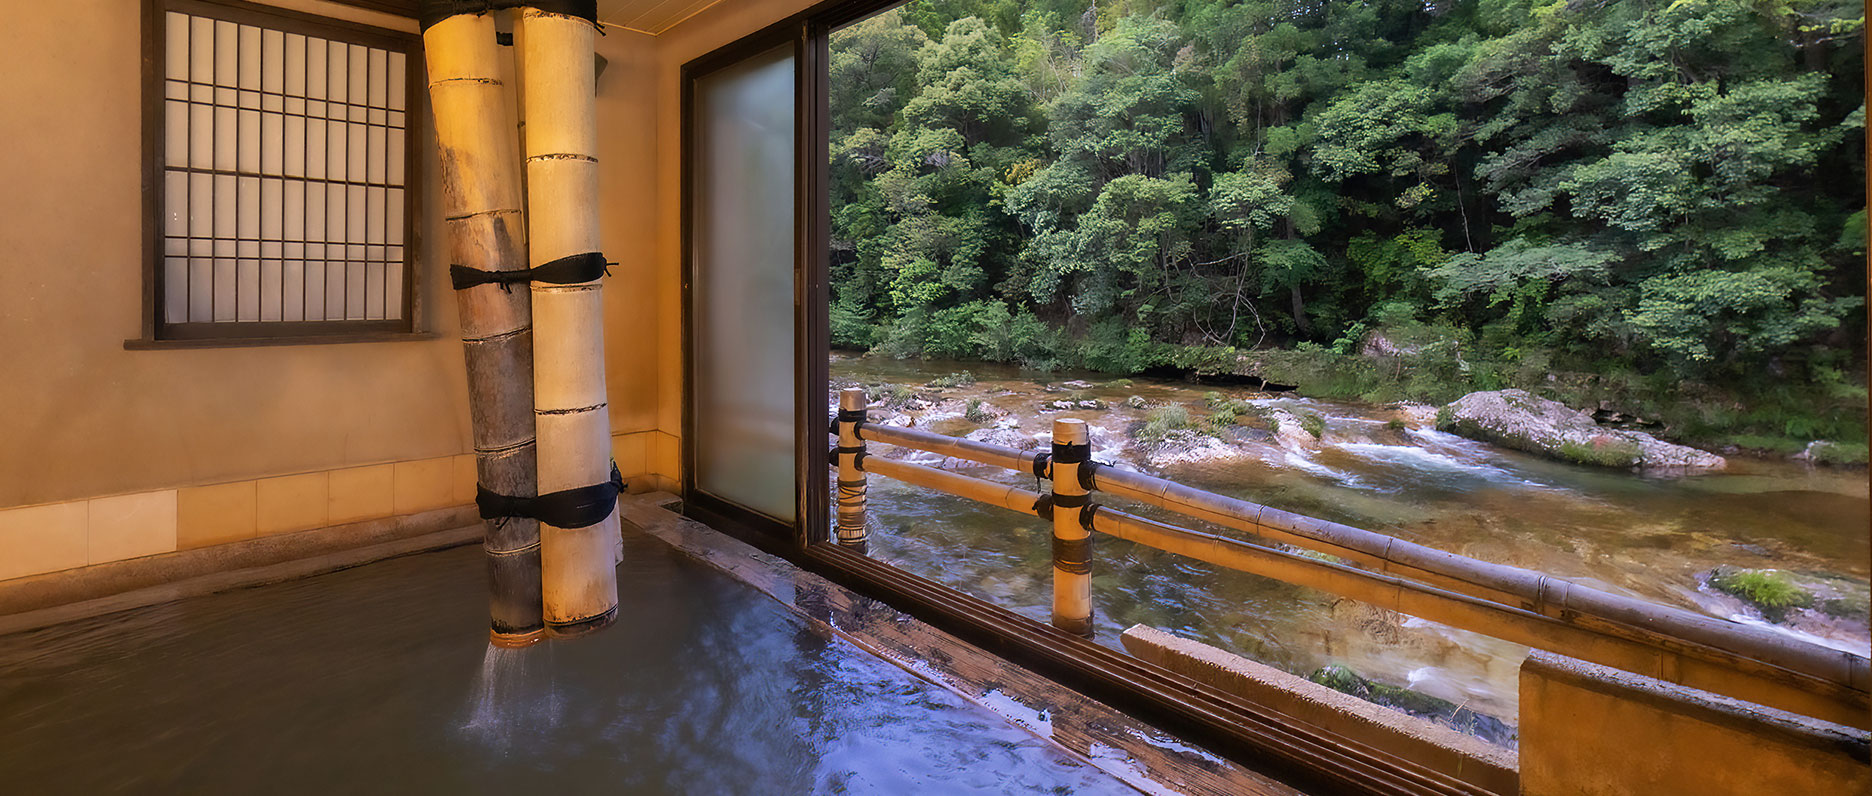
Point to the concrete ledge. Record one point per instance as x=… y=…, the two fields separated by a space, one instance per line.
x=1587 y=728
x=1431 y=745
x=55 y=597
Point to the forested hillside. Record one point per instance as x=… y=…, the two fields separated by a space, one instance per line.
x=1653 y=202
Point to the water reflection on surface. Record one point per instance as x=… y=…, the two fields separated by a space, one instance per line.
x=1649 y=537
x=379 y=679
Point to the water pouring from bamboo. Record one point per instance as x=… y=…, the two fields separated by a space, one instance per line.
x=481 y=194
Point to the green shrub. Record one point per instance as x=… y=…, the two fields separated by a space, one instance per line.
x=975 y=412
x=1395 y=424
x=900 y=396
x=1769 y=590
x=962 y=379
x=1839 y=453
x=1620 y=453
x=1164 y=422
x=1225 y=416
x=1137 y=402
x=851 y=325
x=1313 y=424
x=1213 y=399
x=1115 y=346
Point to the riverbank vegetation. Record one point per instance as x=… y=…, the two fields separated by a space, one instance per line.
x=1656 y=207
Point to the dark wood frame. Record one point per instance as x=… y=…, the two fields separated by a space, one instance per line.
x=156 y=333
x=697 y=502
x=1265 y=740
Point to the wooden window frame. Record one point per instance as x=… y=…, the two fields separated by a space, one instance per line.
x=155 y=332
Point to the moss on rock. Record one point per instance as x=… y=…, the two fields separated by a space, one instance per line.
x=1771 y=591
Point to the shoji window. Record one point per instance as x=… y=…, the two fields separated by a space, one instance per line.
x=285 y=177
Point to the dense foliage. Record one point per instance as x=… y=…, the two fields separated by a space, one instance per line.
x=1630 y=186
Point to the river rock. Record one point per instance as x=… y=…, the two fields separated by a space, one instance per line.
x=1521 y=420
x=1416 y=415
x=1822 y=451
x=1831 y=607
x=1004 y=437
x=1184 y=446
x=1289 y=429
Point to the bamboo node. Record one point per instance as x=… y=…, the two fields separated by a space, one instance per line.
x=486 y=81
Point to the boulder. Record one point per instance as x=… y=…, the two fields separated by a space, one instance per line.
x=1290 y=430
x=1415 y=415
x=1184 y=446
x=1826 y=452
x=1004 y=437
x=1526 y=422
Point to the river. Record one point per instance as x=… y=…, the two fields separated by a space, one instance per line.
x=1372 y=467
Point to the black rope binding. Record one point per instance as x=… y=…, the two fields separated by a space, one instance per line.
x=1073 y=556
x=569 y=270
x=1069 y=453
x=1041 y=462
x=578 y=507
x=1069 y=501
x=832 y=456
x=434 y=11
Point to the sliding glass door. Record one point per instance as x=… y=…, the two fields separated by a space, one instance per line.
x=750 y=409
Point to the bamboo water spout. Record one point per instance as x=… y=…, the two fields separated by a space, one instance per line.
x=481 y=191
x=560 y=107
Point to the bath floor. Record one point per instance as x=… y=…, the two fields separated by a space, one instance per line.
x=378 y=679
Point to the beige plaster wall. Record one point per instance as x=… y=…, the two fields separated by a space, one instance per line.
x=637 y=304
x=80 y=416
x=709 y=30
x=83 y=419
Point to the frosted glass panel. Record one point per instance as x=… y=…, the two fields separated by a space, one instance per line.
x=743 y=289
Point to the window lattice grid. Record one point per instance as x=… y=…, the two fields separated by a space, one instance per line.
x=283 y=176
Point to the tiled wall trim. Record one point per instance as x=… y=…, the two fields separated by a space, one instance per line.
x=78 y=533
x=94 y=530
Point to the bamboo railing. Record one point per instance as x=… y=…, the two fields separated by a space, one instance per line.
x=1505 y=602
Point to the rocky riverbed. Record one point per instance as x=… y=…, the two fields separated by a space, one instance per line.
x=1658 y=525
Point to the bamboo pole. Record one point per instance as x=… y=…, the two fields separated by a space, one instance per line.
x=1072 y=541
x=481 y=197
x=1012 y=498
x=953 y=447
x=579 y=577
x=1738 y=646
x=1488 y=618
x=851 y=480
x=1748 y=649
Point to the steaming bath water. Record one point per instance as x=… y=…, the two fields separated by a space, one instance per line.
x=379 y=680
x=1651 y=537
